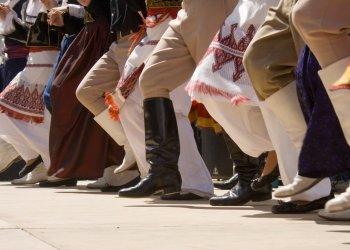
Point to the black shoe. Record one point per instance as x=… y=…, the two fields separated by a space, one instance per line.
x=181 y=197
x=116 y=189
x=292 y=207
x=264 y=180
x=241 y=194
x=11 y=172
x=166 y=181
x=59 y=183
x=227 y=184
x=30 y=167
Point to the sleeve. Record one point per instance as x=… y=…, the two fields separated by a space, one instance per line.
x=75 y=10
x=12 y=27
x=72 y=24
x=98 y=8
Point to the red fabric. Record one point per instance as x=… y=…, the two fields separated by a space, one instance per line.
x=79 y=147
x=16 y=51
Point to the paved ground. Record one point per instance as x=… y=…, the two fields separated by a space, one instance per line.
x=76 y=218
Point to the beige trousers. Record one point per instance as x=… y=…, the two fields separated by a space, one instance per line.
x=271 y=57
x=103 y=76
x=324 y=26
x=183 y=45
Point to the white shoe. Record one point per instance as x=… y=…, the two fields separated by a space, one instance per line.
x=128 y=161
x=339 y=203
x=300 y=184
x=37 y=175
x=338 y=208
x=98 y=184
x=102 y=182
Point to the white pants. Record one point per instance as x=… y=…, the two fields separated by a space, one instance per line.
x=30 y=140
x=288 y=156
x=243 y=123
x=195 y=175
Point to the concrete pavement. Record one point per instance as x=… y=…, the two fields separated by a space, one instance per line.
x=77 y=218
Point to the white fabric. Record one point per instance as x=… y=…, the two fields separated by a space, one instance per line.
x=340 y=98
x=76 y=10
x=21 y=148
x=288 y=155
x=220 y=81
x=29 y=140
x=221 y=75
x=116 y=131
x=286 y=108
x=244 y=124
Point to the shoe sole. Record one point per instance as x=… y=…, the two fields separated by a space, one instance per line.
x=243 y=202
x=333 y=219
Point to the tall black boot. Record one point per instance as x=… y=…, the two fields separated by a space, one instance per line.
x=247 y=168
x=162 y=150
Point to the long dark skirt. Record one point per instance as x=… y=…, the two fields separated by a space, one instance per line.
x=325 y=151
x=79 y=148
x=47 y=99
x=9 y=70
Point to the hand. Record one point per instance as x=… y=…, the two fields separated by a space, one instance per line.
x=84 y=2
x=49 y=4
x=55 y=18
x=4 y=10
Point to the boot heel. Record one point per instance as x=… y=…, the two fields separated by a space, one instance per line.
x=171 y=189
x=263 y=197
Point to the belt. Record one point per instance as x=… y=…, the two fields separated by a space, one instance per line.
x=121 y=34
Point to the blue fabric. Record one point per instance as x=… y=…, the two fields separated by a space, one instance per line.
x=325 y=151
x=67 y=42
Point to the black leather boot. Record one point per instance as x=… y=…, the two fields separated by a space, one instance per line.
x=247 y=168
x=162 y=150
x=227 y=184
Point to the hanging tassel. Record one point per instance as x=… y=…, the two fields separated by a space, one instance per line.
x=113 y=108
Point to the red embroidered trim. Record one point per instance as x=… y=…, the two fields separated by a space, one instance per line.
x=163 y=11
x=39 y=65
x=22 y=104
x=201 y=87
x=227 y=49
x=16 y=51
x=41 y=49
x=21 y=116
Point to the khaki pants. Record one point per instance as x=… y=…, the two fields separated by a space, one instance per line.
x=183 y=45
x=271 y=57
x=103 y=76
x=324 y=25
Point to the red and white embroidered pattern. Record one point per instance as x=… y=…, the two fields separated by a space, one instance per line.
x=227 y=49
x=23 y=102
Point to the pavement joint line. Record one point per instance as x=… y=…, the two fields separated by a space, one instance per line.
x=43 y=241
